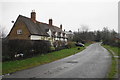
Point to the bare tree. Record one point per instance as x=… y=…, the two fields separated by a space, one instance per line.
x=2 y=32
x=84 y=28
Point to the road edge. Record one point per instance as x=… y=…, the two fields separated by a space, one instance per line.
x=113 y=66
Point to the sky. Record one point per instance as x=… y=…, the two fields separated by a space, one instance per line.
x=95 y=14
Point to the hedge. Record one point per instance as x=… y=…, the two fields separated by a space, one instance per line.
x=28 y=48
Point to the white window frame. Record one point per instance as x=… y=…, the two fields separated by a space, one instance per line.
x=19 y=31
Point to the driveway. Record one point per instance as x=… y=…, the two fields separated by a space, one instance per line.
x=93 y=62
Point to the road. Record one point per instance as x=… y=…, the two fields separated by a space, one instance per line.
x=93 y=62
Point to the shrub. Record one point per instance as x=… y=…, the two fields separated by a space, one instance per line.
x=58 y=45
x=115 y=43
x=71 y=44
x=27 y=47
x=52 y=48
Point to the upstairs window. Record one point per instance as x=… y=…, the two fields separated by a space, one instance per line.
x=19 y=31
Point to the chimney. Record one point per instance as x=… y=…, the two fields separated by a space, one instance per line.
x=33 y=15
x=50 y=22
x=61 y=26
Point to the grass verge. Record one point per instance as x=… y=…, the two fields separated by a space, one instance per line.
x=13 y=66
x=113 y=69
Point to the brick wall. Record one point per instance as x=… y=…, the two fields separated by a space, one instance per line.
x=19 y=25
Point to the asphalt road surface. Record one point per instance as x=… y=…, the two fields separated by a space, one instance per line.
x=93 y=62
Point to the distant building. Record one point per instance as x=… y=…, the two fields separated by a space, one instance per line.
x=69 y=35
x=30 y=29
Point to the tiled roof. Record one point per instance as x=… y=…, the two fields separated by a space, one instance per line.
x=38 y=28
x=34 y=28
x=52 y=28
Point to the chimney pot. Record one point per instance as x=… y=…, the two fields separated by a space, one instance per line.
x=61 y=26
x=50 y=22
x=33 y=15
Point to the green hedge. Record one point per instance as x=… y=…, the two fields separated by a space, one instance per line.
x=27 y=47
x=71 y=44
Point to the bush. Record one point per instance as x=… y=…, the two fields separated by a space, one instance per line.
x=58 y=45
x=52 y=48
x=27 y=47
x=71 y=44
x=114 y=43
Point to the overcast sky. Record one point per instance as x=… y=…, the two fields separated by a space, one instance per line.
x=70 y=13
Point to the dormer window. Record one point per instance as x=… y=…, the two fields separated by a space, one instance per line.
x=19 y=31
x=49 y=32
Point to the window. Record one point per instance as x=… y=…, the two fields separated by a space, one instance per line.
x=19 y=31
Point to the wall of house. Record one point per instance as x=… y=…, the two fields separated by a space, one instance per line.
x=19 y=25
x=35 y=37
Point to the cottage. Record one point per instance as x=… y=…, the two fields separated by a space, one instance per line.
x=69 y=34
x=30 y=29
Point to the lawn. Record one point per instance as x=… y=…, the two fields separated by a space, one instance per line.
x=113 y=70
x=13 y=66
x=116 y=50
